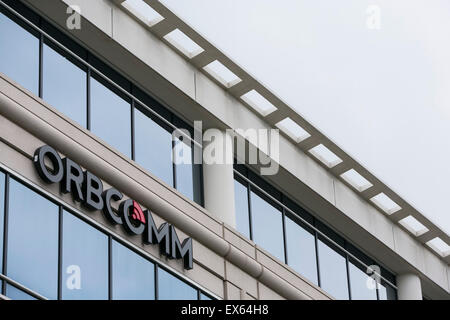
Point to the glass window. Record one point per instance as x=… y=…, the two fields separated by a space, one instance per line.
x=133 y=276
x=241 y=207
x=110 y=117
x=2 y=217
x=267 y=226
x=333 y=271
x=16 y=294
x=32 y=240
x=301 y=250
x=64 y=85
x=172 y=288
x=188 y=175
x=386 y=292
x=19 y=51
x=360 y=285
x=85 y=260
x=183 y=167
x=153 y=147
x=204 y=297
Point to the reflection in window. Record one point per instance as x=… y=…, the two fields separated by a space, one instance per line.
x=267 y=226
x=64 y=85
x=184 y=167
x=360 y=283
x=386 y=292
x=85 y=260
x=241 y=205
x=111 y=117
x=19 y=51
x=32 y=240
x=153 y=147
x=301 y=250
x=16 y=294
x=133 y=276
x=172 y=288
x=333 y=272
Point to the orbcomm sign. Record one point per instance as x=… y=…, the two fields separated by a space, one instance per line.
x=87 y=188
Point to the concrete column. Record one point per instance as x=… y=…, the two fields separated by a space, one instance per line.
x=409 y=287
x=218 y=176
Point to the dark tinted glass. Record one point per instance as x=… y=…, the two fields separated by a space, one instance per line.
x=183 y=167
x=172 y=288
x=301 y=250
x=333 y=271
x=133 y=276
x=32 y=240
x=110 y=117
x=241 y=207
x=19 y=52
x=267 y=226
x=85 y=260
x=64 y=85
x=153 y=147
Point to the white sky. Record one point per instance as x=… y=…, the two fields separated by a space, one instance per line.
x=382 y=95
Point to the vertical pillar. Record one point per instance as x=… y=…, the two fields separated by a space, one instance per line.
x=218 y=176
x=409 y=287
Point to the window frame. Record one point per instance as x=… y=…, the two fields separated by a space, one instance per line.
x=250 y=180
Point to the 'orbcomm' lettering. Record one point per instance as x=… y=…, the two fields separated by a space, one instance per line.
x=87 y=189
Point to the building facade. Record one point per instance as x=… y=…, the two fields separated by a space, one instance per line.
x=94 y=203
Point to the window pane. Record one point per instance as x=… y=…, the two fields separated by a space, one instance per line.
x=64 y=85
x=19 y=51
x=85 y=260
x=183 y=168
x=133 y=276
x=267 y=226
x=301 y=250
x=32 y=240
x=359 y=284
x=16 y=294
x=2 y=217
x=110 y=117
x=204 y=297
x=153 y=147
x=172 y=288
x=241 y=205
x=386 y=292
x=333 y=272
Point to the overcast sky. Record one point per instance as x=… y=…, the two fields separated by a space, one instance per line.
x=382 y=95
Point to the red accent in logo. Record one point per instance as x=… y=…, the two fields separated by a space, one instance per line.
x=138 y=215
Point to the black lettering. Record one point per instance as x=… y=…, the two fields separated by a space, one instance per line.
x=130 y=227
x=73 y=179
x=93 y=188
x=108 y=196
x=39 y=162
x=159 y=235
x=181 y=250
